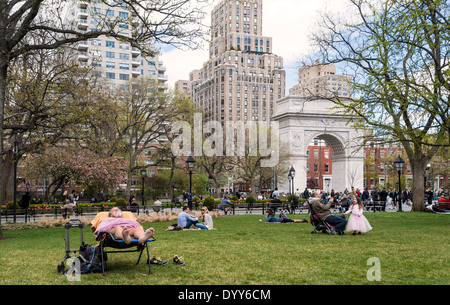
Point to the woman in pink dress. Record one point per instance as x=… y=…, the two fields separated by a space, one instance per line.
x=357 y=222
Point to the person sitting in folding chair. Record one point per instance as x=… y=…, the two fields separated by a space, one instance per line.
x=123 y=228
x=323 y=212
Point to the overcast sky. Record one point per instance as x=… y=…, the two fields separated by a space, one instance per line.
x=288 y=22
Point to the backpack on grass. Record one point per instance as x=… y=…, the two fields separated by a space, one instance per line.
x=91 y=259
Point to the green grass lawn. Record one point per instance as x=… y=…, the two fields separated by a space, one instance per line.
x=413 y=249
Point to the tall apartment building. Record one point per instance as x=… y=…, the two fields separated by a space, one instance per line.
x=116 y=61
x=183 y=86
x=242 y=80
x=321 y=80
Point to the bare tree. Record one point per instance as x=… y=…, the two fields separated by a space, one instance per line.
x=143 y=115
x=180 y=108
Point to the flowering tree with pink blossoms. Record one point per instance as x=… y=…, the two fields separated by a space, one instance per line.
x=70 y=167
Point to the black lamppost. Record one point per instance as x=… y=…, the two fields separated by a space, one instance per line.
x=399 y=165
x=15 y=150
x=290 y=183
x=143 y=174
x=425 y=176
x=210 y=187
x=425 y=182
x=292 y=175
x=190 y=162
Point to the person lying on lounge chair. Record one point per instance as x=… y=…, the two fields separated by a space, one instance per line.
x=123 y=228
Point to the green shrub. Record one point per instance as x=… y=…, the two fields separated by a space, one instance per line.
x=10 y=205
x=234 y=199
x=250 y=199
x=121 y=202
x=291 y=197
x=113 y=199
x=209 y=202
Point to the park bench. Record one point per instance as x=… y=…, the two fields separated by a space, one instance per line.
x=375 y=206
x=262 y=207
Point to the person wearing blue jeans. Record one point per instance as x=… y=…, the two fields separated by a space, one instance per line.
x=338 y=222
x=185 y=220
x=323 y=212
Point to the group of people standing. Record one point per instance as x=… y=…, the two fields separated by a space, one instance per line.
x=389 y=196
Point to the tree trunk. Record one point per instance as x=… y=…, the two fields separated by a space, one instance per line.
x=418 y=170
x=252 y=187
x=172 y=169
x=3 y=76
x=6 y=179
x=129 y=179
x=217 y=183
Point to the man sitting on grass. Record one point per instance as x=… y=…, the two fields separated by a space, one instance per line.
x=185 y=220
x=123 y=228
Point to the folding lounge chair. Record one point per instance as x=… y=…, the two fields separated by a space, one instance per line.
x=108 y=240
x=318 y=224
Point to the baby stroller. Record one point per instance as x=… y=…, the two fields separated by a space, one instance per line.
x=317 y=223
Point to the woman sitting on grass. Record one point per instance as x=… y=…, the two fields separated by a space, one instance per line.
x=207 y=219
x=270 y=217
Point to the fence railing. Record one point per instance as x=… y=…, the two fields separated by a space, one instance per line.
x=35 y=214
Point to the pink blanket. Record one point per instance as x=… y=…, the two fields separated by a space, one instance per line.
x=112 y=222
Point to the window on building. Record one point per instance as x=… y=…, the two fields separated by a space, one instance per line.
x=124 y=76
x=124 y=66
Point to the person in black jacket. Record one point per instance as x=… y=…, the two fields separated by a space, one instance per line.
x=25 y=203
x=383 y=195
x=365 y=195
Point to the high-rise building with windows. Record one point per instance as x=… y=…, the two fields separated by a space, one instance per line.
x=243 y=79
x=321 y=80
x=114 y=60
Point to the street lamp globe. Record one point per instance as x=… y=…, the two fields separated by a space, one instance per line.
x=399 y=163
x=190 y=162
x=292 y=172
x=143 y=171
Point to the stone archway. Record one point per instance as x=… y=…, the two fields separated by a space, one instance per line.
x=300 y=121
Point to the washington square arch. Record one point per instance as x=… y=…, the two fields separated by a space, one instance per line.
x=300 y=121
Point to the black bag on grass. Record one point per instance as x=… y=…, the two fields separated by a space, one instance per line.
x=91 y=259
